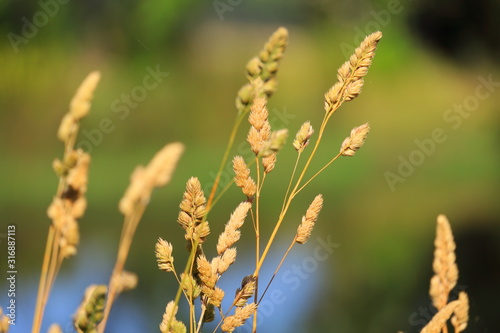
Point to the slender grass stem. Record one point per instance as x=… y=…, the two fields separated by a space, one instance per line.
x=291 y=179
x=187 y=270
x=317 y=173
x=40 y=304
x=260 y=183
x=229 y=146
x=276 y=271
x=129 y=227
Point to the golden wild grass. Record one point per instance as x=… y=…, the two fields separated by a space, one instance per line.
x=198 y=277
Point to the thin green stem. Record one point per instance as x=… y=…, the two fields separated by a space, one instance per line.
x=230 y=143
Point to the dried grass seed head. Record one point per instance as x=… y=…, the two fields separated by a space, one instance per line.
x=206 y=272
x=231 y=234
x=238 y=319
x=439 y=320
x=79 y=107
x=127 y=281
x=159 y=171
x=263 y=69
x=275 y=142
x=80 y=104
x=248 y=286
x=461 y=314
x=242 y=177
x=164 y=257
x=91 y=311
x=169 y=324
x=351 y=74
x=271 y=54
x=217 y=296
x=70 y=237
x=269 y=162
x=78 y=175
x=355 y=141
x=156 y=174
x=193 y=210
x=444 y=266
x=309 y=220
x=226 y=259
x=260 y=129
x=258 y=113
x=302 y=138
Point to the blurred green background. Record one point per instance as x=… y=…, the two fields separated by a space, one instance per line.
x=428 y=75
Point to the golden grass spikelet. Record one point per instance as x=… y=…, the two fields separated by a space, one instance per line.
x=248 y=285
x=231 y=234
x=263 y=68
x=164 y=257
x=439 y=320
x=308 y=221
x=226 y=259
x=80 y=104
x=156 y=174
x=216 y=297
x=239 y=317
x=266 y=64
x=260 y=130
x=78 y=175
x=275 y=143
x=269 y=162
x=213 y=296
x=242 y=177
x=54 y=328
x=351 y=74
x=258 y=113
x=201 y=231
x=160 y=169
x=91 y=310
x=461 y=314
x=355 y=141
x=206 y=273
x=125 y=281
x=273 y=51
x=79 y=108
x=4 y=322
x=70 y=237
x=302 y=137
x=193 y=209
x=444 y=266
x=169 y=324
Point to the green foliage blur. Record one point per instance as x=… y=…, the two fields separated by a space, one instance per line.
x=433 y=147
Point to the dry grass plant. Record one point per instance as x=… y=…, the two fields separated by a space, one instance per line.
x=200 y=275
x=443 y=281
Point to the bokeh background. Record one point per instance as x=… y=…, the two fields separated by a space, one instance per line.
x=431 y=63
